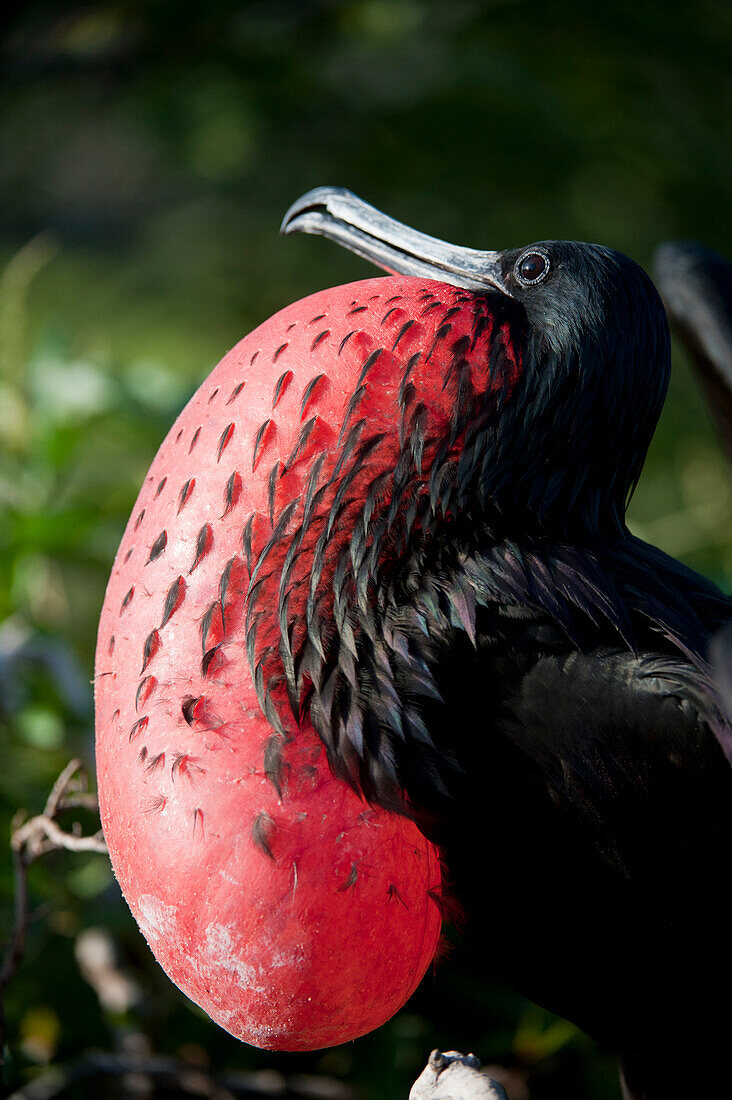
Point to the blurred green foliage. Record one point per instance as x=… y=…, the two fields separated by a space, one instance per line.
x=149 y=151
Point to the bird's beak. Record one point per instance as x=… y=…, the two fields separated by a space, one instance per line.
x=336 y=213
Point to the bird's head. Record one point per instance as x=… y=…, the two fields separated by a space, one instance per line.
x=589 y=333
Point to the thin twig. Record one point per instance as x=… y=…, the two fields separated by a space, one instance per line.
x=72 y=780
x=41 y=834
x=86 y=800
x=31 y=839
x=14 y=951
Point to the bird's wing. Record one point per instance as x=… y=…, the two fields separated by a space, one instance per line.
x=502 y=607
x=595 y=774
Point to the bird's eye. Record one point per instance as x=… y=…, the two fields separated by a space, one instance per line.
x=532 y=267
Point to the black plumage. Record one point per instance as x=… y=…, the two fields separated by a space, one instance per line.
x=696 y=285
x=521 y=674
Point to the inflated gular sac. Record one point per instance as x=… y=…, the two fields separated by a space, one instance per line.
x=297 y=914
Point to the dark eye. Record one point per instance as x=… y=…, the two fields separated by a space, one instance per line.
x=532 y=267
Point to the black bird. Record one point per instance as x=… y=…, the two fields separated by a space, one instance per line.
x=696 y=286
x=570 y=755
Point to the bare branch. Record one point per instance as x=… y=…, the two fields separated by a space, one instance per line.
x=31 y=839
x=41 y=834
x=86 y=800
x=14 y=951
x=72 y=779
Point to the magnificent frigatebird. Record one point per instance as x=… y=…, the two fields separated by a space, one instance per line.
x=695 y=283
x=696 y=286
x=530 y=680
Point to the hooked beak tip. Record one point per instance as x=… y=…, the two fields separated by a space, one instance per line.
x=312 y=208
x=346 y=219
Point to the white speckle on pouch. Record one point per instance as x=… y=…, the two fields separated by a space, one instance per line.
x=221 y=952
x=294 y=958
x=156 y=918
x=229 y=878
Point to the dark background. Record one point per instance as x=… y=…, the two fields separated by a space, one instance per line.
x=147 y=154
